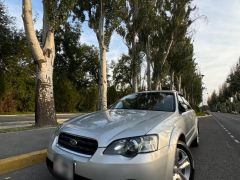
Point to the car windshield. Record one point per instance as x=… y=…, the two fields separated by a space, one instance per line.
x=155 y=101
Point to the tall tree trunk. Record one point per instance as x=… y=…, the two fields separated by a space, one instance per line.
x=164 y=59
x=103 y=78
x=135 y=84
x=160 y=85
x=148 y=66
x=134 y=65
x=157 y=84
x=44 y=57
x=180 y=83
x=172 y=81
x=185 y=93
x=134 y=48
x=102 y=90
x=45 y=107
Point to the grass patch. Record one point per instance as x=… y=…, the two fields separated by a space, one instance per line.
x=201 y=113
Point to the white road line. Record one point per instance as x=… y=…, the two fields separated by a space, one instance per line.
x=228 y=132
x=236 y=141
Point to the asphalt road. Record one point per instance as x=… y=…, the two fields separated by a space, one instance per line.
x=217 y=157
x=16 y=143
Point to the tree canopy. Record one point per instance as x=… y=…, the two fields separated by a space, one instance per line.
x=228 y=97
x=160 y=54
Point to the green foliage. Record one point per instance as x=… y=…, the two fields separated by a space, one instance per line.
x=122 y=73
x=58 y=11
x=107 y=12
x=76 y=72
x=113 y=95
x=228 y=98
x=66 y=95
x=16 y=69
x=89 y=97
x=147 y=27
x=75 y=75
x=181 y=61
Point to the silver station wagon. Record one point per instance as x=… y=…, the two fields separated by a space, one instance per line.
x=143 y=136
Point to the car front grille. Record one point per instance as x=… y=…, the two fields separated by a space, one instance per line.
x=78 y=144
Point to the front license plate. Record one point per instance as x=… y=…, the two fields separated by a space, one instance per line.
x=63 y=168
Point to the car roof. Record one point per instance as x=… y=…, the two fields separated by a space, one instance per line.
x=164 y=91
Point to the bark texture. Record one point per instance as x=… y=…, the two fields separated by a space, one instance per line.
x=172 y=81
x=134 y=50
x=103 y=78
x=148 y=66
x=102 y=90
x=44 y=57
x=180 y=83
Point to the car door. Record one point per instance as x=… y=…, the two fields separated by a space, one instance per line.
x=192 y=115
x=187 y=116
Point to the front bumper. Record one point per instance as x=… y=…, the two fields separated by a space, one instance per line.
x=154 y=166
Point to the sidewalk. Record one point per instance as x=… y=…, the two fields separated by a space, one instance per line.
x=31 y=117
x=21 y=149
x=27 y=120
x=9 y=125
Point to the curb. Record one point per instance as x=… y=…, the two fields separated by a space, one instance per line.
x=204 y=116
x=22 y=161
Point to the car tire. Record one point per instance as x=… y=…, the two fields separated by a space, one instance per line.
x=196 y=141
x=184 y=164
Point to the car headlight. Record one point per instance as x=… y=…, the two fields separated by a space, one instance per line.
x=130 y=147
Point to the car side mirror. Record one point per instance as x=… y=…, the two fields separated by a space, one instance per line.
x=182 y=108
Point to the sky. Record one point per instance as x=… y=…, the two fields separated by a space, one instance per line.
x=216 y=37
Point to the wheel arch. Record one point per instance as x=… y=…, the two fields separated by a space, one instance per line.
x=177 y=135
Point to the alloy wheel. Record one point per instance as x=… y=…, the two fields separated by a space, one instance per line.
x=182 y=167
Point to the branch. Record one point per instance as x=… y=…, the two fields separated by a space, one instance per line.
x=168 y=51
x=48 y=33
x=30 y=32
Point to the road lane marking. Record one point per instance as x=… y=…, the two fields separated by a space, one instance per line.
x=227 y=131
x=236 y=141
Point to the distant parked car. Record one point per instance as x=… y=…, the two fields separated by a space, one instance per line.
x=143 y=136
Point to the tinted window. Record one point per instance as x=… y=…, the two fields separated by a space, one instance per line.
x=154 y=101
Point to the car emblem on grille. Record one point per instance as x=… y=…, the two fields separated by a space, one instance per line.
x=73 y=142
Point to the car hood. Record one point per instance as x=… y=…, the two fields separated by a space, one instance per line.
x=107 y=126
